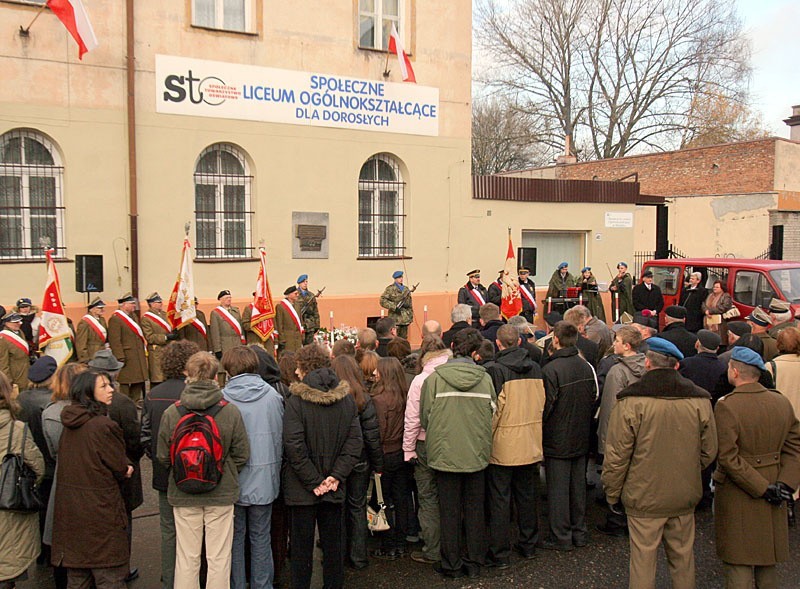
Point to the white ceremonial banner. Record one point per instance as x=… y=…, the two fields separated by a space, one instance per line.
x=202 y=88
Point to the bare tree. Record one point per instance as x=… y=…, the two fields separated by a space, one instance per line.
x=504 y=138
x=620 y=75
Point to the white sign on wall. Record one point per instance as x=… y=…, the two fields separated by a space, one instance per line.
x=619 y=220
x=201 y=88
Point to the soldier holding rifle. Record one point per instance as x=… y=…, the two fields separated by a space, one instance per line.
x=396 y=299
x=306 y=306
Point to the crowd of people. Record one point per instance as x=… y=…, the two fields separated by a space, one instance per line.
x=253 y=454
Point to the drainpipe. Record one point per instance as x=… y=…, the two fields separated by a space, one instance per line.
x=133 y=202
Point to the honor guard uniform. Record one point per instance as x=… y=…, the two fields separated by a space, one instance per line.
x=621 y=288
x=288 y=324
x=527 y=292
x=396 y=299
x=92 y=332
x=197 y=330
x=495 y=290
x=250 y=335
x=306 y=306
x=127 y=341
x=14 y=351
x=30 y=324
x=157 y=331
x=474 y=294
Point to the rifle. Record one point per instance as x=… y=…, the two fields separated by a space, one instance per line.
x=406 y=294
x=308 y=302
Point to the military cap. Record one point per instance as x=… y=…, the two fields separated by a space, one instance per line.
x=42 y=369
x=472 y=273
x=12 y=318
x=676 y=312
x=24 y=302
x=154 y=297
x=290 y=290
x=223 y=293
x=709 y=340
x=104 y=359
x=775 y=305
x=748 y=356
x=126 y=298
x=740 y=328
x=665 y=347
x=96 y=302
x=302 y=278
x=586 y=269
x=397 y=274
x=523 y=269
x=760 y=317
x=626 y=318
x=563 y=265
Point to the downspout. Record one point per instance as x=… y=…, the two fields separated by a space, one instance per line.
x=133 y=201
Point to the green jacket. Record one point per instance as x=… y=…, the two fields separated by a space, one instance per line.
x=392 y=297
x=624 y=286
x=457 y=404
x=556 y=284
x=235 y=444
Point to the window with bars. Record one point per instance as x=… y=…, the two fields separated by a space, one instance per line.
x=380 y=208
x=223 y=217
x=375 y=19
x=31 y=208
x=226 y=15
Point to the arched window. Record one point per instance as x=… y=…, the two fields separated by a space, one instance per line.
x=31 y=209
x=380 y=208
x=222 y=203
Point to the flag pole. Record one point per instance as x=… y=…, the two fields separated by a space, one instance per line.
x=186 y=227
x=386 y=71
x=26 y=30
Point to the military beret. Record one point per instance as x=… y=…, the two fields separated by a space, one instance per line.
x=96 y=302
x=676 y=312
x=302 y=278
x=290 y=290
x=622 y=264
x=708 y=339
x=586 y=269
x=154 y=297
x=12 y=318
x=775 y=305
x=472 y=273
x=223 y=293
x=42 y=369
x=126 y=298
x=740 y=328
x=759 y=317
x=24 y=302
x=397 y=274
x=563 y=265
x=665 y=347
x=748 y=356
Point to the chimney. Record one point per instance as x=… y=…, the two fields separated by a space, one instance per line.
x=794 y=123
x=568 y=158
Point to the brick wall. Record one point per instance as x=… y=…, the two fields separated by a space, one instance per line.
x=791 y=232
x=733 y=168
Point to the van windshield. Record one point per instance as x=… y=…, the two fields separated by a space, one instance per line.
x=788 y=280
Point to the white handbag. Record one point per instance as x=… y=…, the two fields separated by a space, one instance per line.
x=376 y=520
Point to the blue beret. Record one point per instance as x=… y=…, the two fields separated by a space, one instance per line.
x=302 y=278
x=562 y=265
x=586 y=269
x=397 y=274
x=662 y=346
x=747 y=356
x=622 y=264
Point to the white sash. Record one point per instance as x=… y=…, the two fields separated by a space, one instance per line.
x=476 y=294
x=198 y=325
x=133 y=326
x=155 y=318
x=232 y=321
x=96 y=326
x=526 y=293
x=13 y=338
x=289 y=307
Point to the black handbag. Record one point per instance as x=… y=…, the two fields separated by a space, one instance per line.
x=18 y=489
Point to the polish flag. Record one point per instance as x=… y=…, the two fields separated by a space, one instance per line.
x=396 y=47
x=73 y=14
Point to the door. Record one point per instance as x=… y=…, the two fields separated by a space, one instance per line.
x=552 y=248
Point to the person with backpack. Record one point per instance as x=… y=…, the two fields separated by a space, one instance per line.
x=259 y=481
x=205 y=483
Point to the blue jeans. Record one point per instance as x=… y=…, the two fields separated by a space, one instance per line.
x=254 y=520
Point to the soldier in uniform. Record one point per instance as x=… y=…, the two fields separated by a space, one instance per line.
x=92 y=333
x=127 y=341
x=560 y=281
x=621 y=288
x=760 y=322
x=157 y=331
x=495 y=290
x=30 y=323
x=226 y=329
x=474 y=294
x=288 y=323
x=197 y=330
x=307 y=308
x=14 y=351
x=781 y=314
x=396 y=299
x=251 y=337
x=527 y=292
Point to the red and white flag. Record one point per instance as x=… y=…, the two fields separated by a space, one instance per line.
x=511 y=305
x=180 y=309
x=396 y=47
x=55 y=337
x=262 y=321
x=73 y=14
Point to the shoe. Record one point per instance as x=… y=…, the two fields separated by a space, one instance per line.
x=419 y=556
x=448 y=574
x=356 y=567
x=558 y=546
x=385 y=554
x=132 y=575
x=472 y=572
x=526 y=554
x=579 y=543
x=412 y=539
x=611 y=531
x=497 y=564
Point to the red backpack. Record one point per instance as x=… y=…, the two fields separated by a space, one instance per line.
x=195 y=450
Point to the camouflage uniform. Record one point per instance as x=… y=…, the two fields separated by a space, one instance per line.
x=309 y=316
x=400 y=309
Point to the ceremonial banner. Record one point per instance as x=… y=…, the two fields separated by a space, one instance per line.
x=180 y=309
x=55 y=337
x=511 y=305
x=262 y=321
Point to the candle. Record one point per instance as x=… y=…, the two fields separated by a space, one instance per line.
x=331 y=323
x=425 y=311
x=382 y=312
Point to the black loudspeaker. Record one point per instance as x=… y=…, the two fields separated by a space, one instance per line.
x=527 y=258
x=89 y=273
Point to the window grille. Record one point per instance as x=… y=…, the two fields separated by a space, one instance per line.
x=31 y=206
x=223 y=215
x=380 y=208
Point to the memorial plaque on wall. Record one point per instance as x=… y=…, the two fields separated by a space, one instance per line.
x=309 y=235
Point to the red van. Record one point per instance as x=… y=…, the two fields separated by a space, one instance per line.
x=749 y=282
